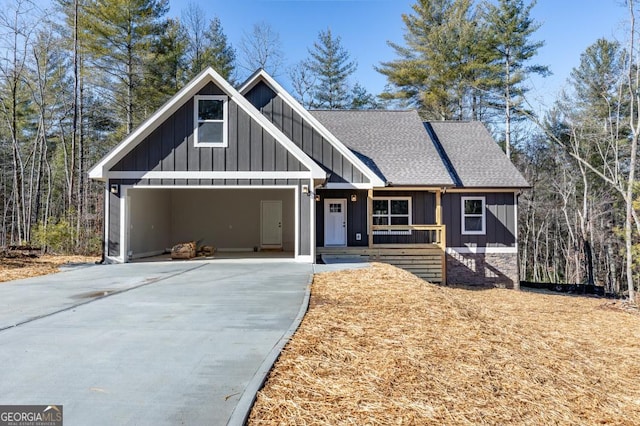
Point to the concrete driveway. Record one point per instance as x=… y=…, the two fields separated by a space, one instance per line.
x=148 y=343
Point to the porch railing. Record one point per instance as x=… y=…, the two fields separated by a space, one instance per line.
x=420 y=234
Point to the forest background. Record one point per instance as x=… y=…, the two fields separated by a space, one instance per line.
x=79 y=75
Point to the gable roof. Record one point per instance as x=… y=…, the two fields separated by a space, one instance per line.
x=261 y=75
x=100 y=170
x=394 y=143
x=474 y=155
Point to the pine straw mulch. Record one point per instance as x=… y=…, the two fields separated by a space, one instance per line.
x=14 y=268
x=379 y=346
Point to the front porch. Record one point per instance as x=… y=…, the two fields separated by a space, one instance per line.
x=408 y=233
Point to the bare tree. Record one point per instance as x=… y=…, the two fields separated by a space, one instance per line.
x=261 y=48
x=302 y=82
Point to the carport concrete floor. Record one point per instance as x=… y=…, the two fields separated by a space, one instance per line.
x=163 y=343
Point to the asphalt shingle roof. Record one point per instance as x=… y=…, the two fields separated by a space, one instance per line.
x=403 y=150
x=476 y=158
x=394 y=144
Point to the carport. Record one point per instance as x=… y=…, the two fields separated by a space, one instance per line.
x=242 y=221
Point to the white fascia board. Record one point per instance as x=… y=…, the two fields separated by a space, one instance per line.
x=346 y=152
x=208 y=175
x=187 y=92
x=343 y=185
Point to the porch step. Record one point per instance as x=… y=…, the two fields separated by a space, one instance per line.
x=425 y=263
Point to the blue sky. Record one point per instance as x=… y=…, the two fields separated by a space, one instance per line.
x=365 y=26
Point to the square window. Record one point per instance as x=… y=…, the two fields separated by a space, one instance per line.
x=210 y=132
x=392 y=211
x=210 y=109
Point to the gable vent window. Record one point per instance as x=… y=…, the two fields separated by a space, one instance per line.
x=473 y=216
x=210 y=121
x=392 y=211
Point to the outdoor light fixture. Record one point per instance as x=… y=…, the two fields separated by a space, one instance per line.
x=115 y=188
x=317 y=198
x=305 y=189
x=354 y=198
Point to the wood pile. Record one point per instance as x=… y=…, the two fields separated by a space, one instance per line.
x=206 y=251
x=184 y=250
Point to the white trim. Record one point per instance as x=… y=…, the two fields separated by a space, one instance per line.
x=124 y=224
x=463 y=215
x=312 y=226
x=99 y=171
x=208 y=175
x=296 y=221
x=304 y=259
x=342 y=185
x=327 y=204
x=297 y=107
x=107 y=196
x=225 y=121
x=482 y=250
x=408 y=231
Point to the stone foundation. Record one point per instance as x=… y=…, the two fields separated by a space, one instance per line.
x=487 y=269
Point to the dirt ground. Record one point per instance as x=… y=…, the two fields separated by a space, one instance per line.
x=13 y=268
x=381 y=347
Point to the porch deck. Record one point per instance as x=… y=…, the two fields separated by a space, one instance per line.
x=426 y=261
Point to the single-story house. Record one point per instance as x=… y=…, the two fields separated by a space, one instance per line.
x=252 y=170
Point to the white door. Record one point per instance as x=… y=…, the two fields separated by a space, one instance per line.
x=271 y=224
x=335 y=222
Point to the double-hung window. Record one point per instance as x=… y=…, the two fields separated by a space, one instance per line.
x=392 y=211
x=210 y=124
x=473 y=216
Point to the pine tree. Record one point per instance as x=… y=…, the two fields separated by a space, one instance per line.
x=440 y=63
x=218 y=52
x=510 y=50
x=332 y=65
x=119 y=36
x=164 y=73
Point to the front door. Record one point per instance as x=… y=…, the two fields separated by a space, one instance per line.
x=271 y=224
x=335 y=222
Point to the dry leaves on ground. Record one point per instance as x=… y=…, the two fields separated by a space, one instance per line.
x=379 y=346
x=26 y=267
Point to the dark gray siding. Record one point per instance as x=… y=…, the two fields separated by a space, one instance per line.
x=423 y=212
x=304 y=135
x=356 y=216
x=500 y=220
x=113 y=242
x=170 y=147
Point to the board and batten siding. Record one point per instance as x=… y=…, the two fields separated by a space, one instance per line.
x=500 y=220
x=304 y=135
x=170 y=147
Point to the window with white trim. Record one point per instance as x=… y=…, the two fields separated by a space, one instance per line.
x=210 y=120
x=392 y=211
x=473 y=216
